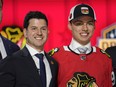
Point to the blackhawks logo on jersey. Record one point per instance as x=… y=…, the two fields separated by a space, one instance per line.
x=81 y=79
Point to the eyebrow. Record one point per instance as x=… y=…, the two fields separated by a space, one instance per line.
x=36 y=27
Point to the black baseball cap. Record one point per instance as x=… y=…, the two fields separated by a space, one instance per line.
x=81 y=10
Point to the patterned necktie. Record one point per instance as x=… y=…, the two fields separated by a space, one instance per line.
x=82 y=50
x=42 y=69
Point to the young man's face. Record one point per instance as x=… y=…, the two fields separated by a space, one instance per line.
x=36 y=34
x=0 y=10
x=82 y=29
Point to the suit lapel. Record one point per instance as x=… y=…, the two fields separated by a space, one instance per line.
x=31 y=66
x=33 y=69
x=52 y=66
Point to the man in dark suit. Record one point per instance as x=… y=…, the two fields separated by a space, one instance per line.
x=112 y=52
x=6 y=46
x=23 y=68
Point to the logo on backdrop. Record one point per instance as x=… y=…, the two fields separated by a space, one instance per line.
x=108 y=37
x=15 y=34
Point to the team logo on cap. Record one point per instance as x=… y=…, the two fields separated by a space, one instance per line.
x=84 y=10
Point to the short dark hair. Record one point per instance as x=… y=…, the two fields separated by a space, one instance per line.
x=34 y=14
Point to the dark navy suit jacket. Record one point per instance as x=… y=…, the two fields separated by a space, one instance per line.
x=9 y=46
x=19 y=70
x=112 y=52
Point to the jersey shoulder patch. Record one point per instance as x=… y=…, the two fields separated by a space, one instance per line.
x=102 y=51
x=54 y=50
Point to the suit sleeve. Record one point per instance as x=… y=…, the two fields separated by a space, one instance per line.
x=109 y=76
x=112 y=54
x=7 y=78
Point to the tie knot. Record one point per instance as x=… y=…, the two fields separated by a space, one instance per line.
x=82 y=50
x=40 y=56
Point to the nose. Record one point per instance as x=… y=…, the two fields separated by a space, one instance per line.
x=39 y=32
x=85 y=26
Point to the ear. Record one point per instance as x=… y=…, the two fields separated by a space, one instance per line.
x=69 y=26
x=25 y=32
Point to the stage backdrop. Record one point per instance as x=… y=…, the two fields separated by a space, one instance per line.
x=57 y=12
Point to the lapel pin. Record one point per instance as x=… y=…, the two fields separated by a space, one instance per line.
x=52 y=62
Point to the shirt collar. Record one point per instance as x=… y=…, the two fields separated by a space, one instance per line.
x=32 y=50
x=74 y=45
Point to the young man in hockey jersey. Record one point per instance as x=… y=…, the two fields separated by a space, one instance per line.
x=80 y=64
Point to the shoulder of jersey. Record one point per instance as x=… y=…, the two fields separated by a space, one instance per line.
x=53 y=51
x=102 y=51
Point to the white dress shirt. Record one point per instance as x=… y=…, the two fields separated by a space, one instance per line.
x=2 y=49
x=74 y=45
x=36 y=60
